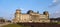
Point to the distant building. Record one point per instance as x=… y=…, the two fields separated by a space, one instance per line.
x=31 y=16
x=2 y=20
x=55 y=19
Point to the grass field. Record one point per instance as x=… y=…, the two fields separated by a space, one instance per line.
x=35 y=25
x=15 y=25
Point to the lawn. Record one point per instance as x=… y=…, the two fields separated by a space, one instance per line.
x=40 y=24
x=15 y=25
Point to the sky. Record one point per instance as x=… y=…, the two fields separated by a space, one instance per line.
x=8 y=7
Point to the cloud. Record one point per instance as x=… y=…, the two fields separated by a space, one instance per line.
x=55 y=14
x=55 y=8
x=22 y=9
x=54 y=3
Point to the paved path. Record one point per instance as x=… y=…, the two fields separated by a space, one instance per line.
x=4 y=24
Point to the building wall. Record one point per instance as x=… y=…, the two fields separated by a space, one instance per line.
x=24 y=17
x=43 y=16
x=32 y=17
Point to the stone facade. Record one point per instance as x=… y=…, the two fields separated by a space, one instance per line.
x=31 y=16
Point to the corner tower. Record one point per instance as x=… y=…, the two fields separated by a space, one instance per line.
x=46 y=13
x=17 y=15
